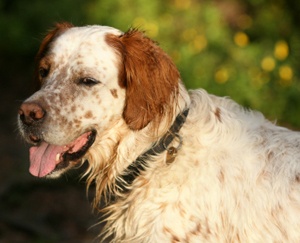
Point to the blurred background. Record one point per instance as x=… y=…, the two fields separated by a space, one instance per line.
x=247 y=50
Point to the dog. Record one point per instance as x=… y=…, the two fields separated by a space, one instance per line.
x=171 y=165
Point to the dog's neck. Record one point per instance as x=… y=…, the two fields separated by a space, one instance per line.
x=118 y=146
x=140 y=164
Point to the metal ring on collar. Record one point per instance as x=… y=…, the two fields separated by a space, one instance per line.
x=176 y=135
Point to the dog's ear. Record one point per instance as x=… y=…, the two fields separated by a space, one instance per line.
x=45 y=45
x=149 y=76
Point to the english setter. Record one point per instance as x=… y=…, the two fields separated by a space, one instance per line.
x=172 y=165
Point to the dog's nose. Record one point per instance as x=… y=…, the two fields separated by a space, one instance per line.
x=31 y=112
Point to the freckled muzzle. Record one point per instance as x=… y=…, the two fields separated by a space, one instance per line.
x=47 y=158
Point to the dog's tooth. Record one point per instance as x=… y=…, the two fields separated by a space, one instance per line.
x=57 y=157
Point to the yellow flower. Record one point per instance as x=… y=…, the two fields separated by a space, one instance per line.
x=268 y=64
x=281 y=50
x=241 y=39
x=221 y=75
x=286 y=72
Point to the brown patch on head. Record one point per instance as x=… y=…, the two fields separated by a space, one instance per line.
x=44 y=66
x=114 y=93
x=88 y=114
x=149 y=76
x=297 y=178
x=218 y=114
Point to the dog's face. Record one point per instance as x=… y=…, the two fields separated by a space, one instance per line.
x=78 y=65
x=89 y=77
x=79 y=95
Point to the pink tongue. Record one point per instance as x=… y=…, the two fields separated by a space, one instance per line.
x=43 y=158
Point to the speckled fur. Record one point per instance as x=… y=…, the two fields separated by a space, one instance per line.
x=235 y=178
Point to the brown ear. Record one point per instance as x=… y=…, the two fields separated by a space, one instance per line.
x=149 y=76
x=44 y=47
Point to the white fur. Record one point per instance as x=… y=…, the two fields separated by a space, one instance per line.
x=236 y=177
x=234 y=180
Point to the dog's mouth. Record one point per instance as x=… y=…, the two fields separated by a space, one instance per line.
x=46 y=158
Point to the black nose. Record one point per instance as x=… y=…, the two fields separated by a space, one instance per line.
x=31 y=113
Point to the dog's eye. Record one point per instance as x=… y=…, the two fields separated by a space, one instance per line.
x=88 y=81
x=43 y=72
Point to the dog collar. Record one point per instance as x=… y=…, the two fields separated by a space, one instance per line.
x=140 y=164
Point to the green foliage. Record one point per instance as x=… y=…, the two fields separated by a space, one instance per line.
x=248 y=50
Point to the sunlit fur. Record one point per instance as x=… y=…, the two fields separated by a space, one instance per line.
x=236 y=177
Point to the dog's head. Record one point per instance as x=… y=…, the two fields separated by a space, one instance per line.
x=89 y=78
